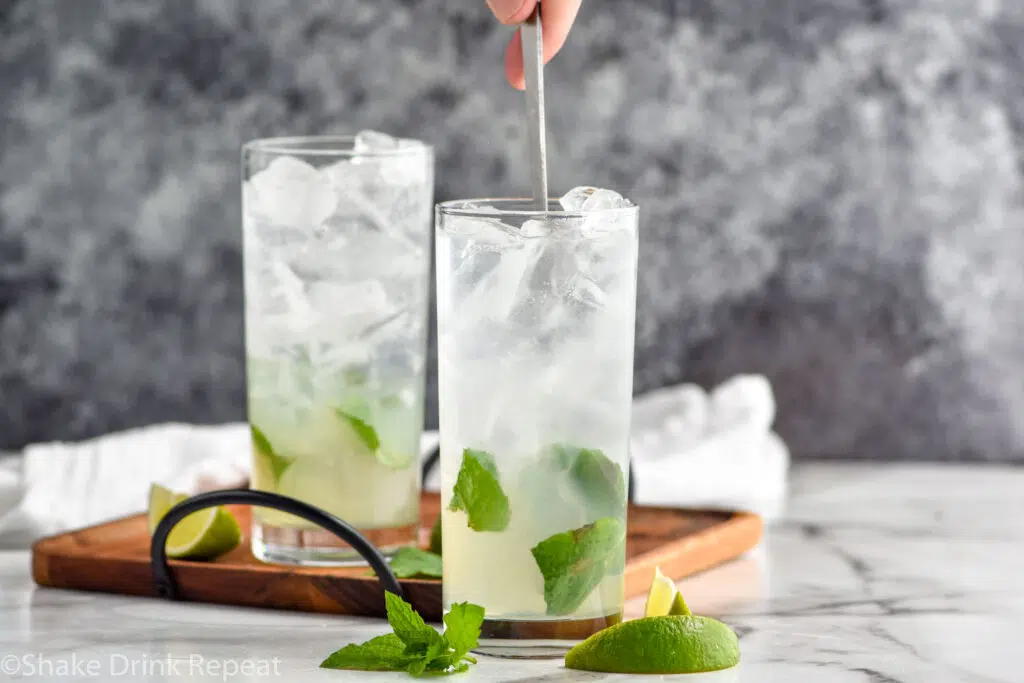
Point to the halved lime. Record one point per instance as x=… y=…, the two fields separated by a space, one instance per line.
x=202 y=535
x=660 y=596
x=658 y=645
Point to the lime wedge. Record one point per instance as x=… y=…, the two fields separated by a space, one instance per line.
x=679 y=606
x=660 y=596
x=203 y=535
x=658 y=645
x=161 y=500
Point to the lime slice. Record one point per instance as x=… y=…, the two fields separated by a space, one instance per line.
x=161 y=499
x=679 y=606
x=660 y=596
x=658 y=645
x=202 y=535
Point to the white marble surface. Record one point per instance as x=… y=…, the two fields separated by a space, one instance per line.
x=878 y=573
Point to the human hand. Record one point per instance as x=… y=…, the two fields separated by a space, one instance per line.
x=557 y=17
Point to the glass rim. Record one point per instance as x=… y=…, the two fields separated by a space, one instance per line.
x=489 y=207
x=330 y=146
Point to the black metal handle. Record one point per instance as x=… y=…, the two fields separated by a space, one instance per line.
x=435 y=456
x=164 y=581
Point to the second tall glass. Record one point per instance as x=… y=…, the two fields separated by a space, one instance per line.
x=336 y=259
x=536 y=313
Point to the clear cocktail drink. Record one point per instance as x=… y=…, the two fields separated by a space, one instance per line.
x=336 y=261
x=535 y=340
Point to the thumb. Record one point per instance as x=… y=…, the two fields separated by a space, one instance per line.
x=512 y=11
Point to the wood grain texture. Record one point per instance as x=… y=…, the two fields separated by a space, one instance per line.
x=114 y=558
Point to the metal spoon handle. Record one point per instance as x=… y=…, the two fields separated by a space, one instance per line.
x=532 y=35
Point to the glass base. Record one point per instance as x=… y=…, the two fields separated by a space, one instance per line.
x=316 y=547
x=538 y=639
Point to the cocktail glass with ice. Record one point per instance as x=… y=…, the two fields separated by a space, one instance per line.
x=336 y=234
x=536 y=313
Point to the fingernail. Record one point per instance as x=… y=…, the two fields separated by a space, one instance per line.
x=505 y=9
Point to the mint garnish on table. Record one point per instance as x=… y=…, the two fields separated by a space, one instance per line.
x=479 y=494
x=278 y=463
x=574 y=562
x=414 y=646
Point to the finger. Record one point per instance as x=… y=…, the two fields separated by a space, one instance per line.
x=512 y=11
x=557 y=17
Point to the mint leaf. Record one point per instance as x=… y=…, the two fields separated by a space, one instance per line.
x=437 y=661
x=356 y=415
x=366 y=433
x=485 y=459
x=415 y=647
x=462 y=627
x=355 y=375
x=600 y=481
x=276 y=462
x=573 y=563
x=409 y=626
x=410 y=562
x=383 y=653
x=564 y=456
x=435 y=536
x=478 y=492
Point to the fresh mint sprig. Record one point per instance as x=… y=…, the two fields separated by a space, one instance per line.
x=415 y=646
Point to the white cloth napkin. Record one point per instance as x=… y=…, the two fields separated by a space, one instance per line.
x=690 y=449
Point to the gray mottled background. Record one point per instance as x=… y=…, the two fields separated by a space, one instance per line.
x=831 y=193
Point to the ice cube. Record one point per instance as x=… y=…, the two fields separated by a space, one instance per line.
x=573 y=199
x=587 y=293
x=535 y=228
x=497 y=290
x=481 y=232
x=374 y=141
x=386 y=173
x=480 y=208
x=353 y=309
x=586 y=198
x=289 y=192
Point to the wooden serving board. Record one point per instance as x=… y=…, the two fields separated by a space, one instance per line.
x=114 y=558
